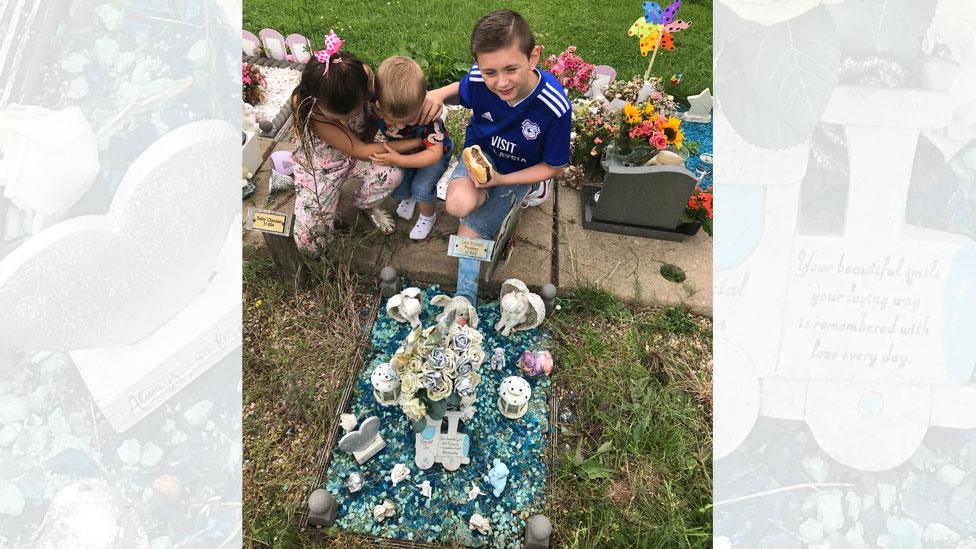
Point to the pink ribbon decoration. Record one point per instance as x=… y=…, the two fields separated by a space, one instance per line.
x=332 y=45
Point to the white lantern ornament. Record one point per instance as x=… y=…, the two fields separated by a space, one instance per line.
x=513 y=397
x=386 y=384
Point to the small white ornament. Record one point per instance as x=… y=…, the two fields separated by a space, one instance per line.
x=513 y=397
x=385 y=510
x=520 y=308
x=405 y=306
x=354 y=482
x=399 y=473
x=479 y=523
x=497 y=359
x=425 y=489
x=348 y=422
x=386 y=384
x=474 y=492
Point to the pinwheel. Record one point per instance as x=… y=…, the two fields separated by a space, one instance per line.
x=655 y=30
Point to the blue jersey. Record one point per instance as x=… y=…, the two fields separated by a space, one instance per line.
x=515 y=137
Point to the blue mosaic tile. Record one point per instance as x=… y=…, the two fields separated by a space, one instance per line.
x=702 y=133
x=520 y=444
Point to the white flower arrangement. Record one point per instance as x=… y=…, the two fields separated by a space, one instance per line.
x=438 y=363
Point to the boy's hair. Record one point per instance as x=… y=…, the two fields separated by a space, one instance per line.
x=500 y=29
x=340 y=91
x=400 y=86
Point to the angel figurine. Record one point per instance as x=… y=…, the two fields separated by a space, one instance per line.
x=520 y=308
x=405 y=306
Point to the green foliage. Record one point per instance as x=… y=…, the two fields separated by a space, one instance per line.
x=456 y=123
x=440 y=66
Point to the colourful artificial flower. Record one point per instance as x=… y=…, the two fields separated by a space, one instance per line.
x=632 y=114
x=672 y=130
x=659 y=141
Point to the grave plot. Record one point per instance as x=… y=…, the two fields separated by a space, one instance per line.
x=463 y=495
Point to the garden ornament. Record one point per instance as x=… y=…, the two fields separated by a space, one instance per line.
x=389 y=282
x=538 y=528
x=425 y=489
x=348 y=422
x=548 y=294
x=497 y=359
x=479 y=523
x=28 y=136
x=385 y=510
x=513 y=397
x=405 y=306
x=474 y=492
x=460 y=305
x=666 y=158
x=365 y=442
x=497 y=476
x=520 y=308
x=354 y=482
x=386 y=384
x=322 y=507
x=535 y=363
x=399 y=473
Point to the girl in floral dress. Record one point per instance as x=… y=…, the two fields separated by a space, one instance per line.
x=333 y=144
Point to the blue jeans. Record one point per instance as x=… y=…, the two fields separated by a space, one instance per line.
x=487 y=219
x=421 y=183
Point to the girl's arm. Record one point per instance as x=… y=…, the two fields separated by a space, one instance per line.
x=532 y=174
x=435 y=100
x=344 y=140
x=422 y=159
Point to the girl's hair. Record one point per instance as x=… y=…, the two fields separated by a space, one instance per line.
x=340 y=91
x=499 y=30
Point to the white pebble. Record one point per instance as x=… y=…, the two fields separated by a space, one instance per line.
x=197 y=415
x=9 y=433
x=78 y=88
x=105 y=50
x=886 y=496
x=197 y=54
x=13 y=408
x=129 y=451
x=952 y=475
x=124 y=60
x=74 y=63
x=816 y=467
x=811 y=531
x=162 y=542
x=830 y=511
x=939 y=533
x=11 y=500
x=111 y=17
x=151 y=455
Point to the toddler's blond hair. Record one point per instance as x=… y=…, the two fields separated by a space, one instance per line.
x=400 y=86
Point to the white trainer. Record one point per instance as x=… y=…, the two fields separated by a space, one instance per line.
x=423 y=227
x=405 y=209
x=538 y=195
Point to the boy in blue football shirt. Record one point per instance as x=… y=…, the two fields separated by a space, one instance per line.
x=521 y=120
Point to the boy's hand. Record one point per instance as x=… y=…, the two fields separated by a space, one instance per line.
x=388 y=158
x=433 y=106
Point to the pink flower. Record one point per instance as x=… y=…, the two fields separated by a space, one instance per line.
x=659 y=141
x=597 y=140
x=656 y=95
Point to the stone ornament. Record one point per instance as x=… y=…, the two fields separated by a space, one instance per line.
x=354 y=482
x=513 y=397
x=701 y=107
x=399 y=473
x=498 y=477
x=384 y=510
x=405 y=306
x=348 y=422
x=322 y=507
x=538 y=528
x=460 y=305
x=450 y=449
x=474 y=492
x=386 y=384
x=365 y=442
x=479 y=523
x=520 y=308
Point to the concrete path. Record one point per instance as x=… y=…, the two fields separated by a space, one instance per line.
x=551 y=246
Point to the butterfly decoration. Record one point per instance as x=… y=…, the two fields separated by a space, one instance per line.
x=676 y=79
x=656 y=28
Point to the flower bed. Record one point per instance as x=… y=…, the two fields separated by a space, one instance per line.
x=521 y=444
x=280 y=78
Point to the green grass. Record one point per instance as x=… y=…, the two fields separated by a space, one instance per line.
x=440 y=30
x=633 y=463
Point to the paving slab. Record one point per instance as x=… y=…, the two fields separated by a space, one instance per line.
x=630 y=266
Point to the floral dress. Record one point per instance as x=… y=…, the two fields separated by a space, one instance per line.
x=319 y=174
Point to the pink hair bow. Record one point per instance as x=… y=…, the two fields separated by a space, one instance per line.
x=332 y=45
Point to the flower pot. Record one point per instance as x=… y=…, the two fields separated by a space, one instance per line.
x=690 y=229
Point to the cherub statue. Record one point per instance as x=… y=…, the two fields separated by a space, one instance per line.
x=405 y=306
x=520 y=308
x=460 y=305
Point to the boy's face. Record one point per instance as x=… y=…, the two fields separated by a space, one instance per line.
x=401 y=122
x=508 y=72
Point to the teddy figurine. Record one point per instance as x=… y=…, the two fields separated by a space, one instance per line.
x=405 y=306
x=497 y=476
x=520 y=308
x=462 y=308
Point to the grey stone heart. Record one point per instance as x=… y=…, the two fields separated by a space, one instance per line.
x=358 y=439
